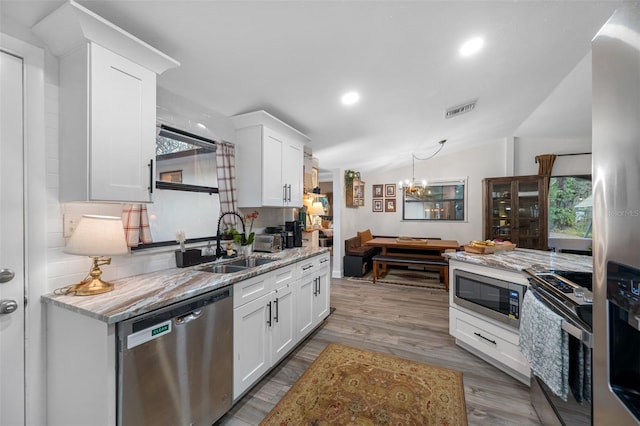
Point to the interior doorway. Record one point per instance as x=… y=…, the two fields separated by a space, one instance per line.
x=12 y=254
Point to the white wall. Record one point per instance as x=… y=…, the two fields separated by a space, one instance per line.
x=474 y=164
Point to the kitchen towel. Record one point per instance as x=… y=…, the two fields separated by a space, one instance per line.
x=136 y=224
x=545 y=344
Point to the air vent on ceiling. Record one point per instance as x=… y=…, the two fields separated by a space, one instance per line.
x=460 y=109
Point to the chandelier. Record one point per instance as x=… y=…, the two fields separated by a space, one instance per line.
x=412 y=187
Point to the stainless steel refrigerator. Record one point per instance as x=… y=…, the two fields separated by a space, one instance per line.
x=616 y=213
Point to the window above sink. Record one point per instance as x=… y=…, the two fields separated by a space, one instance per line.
x=185 y=162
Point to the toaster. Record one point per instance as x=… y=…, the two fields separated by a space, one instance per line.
x=267 y=242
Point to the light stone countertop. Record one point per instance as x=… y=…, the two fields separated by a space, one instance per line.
x=520 y=259
x=143 y=293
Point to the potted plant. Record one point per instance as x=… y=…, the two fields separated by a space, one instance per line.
x=251 y=216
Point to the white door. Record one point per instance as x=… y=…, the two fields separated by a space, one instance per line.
x=273 y=191
x=123 y=138
x=304 y=305
x=12 y=313
x=293 y=171
x=283 y=330
x=251 y=342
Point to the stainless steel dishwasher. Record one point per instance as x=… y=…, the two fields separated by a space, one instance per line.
x=175 y=364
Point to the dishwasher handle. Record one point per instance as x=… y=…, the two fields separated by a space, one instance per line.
x=191 y=316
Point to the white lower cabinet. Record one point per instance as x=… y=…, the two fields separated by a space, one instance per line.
x=312 y=301
x=496 y=345
x=263 y=325
x=268 y=310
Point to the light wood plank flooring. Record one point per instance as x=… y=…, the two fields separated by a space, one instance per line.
x=408 y=322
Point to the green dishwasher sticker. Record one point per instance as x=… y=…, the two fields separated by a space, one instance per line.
x=148 y=334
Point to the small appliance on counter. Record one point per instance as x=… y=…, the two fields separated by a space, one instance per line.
x=293 y=231
x=269 y=243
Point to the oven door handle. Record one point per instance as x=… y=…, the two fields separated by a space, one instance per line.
x=585 y=336
x=580 y=334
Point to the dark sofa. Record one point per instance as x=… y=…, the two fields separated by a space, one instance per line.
x=357 y=257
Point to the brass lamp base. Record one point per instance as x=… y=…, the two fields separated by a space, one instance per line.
x=93 y=284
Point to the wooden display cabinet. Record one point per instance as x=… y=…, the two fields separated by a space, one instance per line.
x=516 y=209
x=355 y=193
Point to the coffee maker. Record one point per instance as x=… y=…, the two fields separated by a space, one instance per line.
x=293 y=229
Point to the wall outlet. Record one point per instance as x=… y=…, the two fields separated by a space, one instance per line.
x=70 y=222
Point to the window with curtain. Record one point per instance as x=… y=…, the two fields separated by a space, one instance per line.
x=185 y=197
x=570 y=213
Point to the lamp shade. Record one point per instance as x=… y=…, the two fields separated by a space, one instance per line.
x=317 y=209
x=98 y=236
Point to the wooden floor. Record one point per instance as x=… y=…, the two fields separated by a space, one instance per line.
x=409 y=322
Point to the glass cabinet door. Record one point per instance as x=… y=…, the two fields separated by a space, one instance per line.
x=501 y=211
x=528 y=213
x=515 y=209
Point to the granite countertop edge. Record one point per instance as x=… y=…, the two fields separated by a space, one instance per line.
x=140 y=294
x=520 y=259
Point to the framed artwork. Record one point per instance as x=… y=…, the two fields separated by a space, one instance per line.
x=314 y=177
x=390 y=205
x=377 y=205
x=390 y=190
x=378 y=191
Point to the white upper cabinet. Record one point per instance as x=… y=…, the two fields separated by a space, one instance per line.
x=107 y=106
x=269 y=161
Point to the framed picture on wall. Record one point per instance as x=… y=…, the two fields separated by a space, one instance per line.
x=377 y=205
x=390 y=205
x=378 y=191
x=390 y=190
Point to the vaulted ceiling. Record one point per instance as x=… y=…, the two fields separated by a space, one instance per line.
x=295 y=59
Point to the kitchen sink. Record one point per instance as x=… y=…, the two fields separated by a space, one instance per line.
x=223 y=269
x=251 y=262
x=236 y=265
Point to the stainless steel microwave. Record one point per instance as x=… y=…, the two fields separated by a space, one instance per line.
x=491 y=297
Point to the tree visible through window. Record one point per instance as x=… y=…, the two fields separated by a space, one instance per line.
x=570 y=207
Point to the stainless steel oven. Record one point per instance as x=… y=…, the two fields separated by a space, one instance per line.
x=568 y=295
x=494 y=298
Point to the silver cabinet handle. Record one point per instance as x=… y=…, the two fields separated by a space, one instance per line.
x=8 y=306
x=6 y=275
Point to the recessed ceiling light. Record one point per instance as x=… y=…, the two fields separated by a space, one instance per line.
x=472 y=46
x=350 y=98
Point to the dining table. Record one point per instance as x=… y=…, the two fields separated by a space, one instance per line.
x=413 y=248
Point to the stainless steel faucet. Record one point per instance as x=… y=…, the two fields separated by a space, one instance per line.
x=219 y=251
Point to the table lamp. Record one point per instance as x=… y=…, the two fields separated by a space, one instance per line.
x=317 y=210
x=96 y=237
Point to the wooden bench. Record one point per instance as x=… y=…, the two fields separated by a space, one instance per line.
x=442 y=265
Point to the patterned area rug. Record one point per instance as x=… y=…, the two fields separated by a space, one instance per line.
x=409 y=277
x=350 y=386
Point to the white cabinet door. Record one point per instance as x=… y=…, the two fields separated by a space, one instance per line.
x=270 y=161
x=322 y=295
x=283 y=330
x=304 y=305
x=122 y=127
x=273 y=190
x=251 y=343
x=292 y=172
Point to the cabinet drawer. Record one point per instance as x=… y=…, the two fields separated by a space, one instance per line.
x=252 y=288
x=497 y=343
x=284 y=276
x=323 y=260
x=307 y=266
